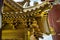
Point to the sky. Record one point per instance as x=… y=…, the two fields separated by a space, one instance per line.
x=31 y=1
x=47 y=37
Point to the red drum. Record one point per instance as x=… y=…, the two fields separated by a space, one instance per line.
x=54 y=20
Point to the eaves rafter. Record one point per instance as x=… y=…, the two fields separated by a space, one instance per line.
x=13 y=5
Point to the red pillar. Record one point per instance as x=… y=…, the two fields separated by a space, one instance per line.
x=54 y=20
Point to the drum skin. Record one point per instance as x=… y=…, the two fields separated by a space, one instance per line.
x=54 y=20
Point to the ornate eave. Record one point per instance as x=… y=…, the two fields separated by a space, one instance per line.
x=29 y=10
x=17 y=20
x=19 y=8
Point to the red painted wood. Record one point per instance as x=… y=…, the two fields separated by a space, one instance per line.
x=54 y=20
